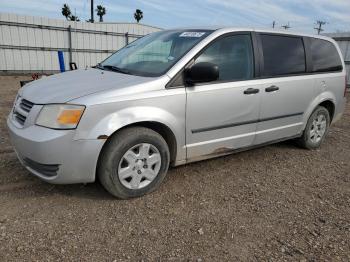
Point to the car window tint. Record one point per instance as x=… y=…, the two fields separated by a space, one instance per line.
x=283 y=55
x=325 y=57
x=233 y=55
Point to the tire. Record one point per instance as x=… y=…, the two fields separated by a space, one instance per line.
x=124 y=154
x=308 y=139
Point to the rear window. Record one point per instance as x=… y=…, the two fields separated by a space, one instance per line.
x=283 y=55
x=325 y=57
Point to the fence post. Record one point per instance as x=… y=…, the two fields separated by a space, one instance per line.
x=70 y=44
x=61 y=61
x=126 y=38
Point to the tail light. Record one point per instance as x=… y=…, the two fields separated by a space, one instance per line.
x=345 y=84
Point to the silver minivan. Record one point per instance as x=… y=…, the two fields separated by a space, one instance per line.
x=174 y=97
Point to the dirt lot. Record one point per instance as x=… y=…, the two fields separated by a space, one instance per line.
x=274 y=203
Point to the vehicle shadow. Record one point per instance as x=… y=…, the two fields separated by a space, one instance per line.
x=290 y=144
x=95 y=191
x=34 y=187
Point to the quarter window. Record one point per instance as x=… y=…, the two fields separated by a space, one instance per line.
x=325 y=57
x=233 y=55
x=283 y=55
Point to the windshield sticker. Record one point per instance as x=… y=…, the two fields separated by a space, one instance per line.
x=192 y=34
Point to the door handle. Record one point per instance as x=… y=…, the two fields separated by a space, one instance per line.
x=271 y=88
x=250 y=91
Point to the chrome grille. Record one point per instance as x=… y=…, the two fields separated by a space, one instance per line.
x=21 y=110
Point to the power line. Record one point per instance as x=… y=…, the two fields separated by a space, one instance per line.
x=319 y=24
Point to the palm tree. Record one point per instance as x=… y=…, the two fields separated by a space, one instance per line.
x=101 y=11
x=138 y=15
x=74 y=18
x=66 y=11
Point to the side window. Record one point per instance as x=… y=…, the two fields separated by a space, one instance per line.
x=233 y=55
x=325 y=57
x=283 y=55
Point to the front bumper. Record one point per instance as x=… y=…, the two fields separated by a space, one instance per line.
x=40 y=149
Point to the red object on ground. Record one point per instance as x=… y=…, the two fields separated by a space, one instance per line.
x=35 y=76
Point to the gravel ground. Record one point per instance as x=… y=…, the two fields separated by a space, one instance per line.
x=275 y=203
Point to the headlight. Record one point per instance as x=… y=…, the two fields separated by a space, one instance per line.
x=60 y=116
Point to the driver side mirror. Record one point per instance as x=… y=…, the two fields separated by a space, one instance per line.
x=201 y=73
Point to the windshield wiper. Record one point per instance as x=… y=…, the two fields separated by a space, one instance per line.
x=99 y=66
x=116 y=69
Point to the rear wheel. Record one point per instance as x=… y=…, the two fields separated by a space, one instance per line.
x=316 y=129
x=134 y=162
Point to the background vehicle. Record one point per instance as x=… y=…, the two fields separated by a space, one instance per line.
x=175 y=97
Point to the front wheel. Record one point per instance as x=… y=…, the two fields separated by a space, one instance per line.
x=316 y=129
x=134 y=162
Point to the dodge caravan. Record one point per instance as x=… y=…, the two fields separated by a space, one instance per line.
x=174 y=97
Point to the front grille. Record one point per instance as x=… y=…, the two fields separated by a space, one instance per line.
x=20 y=118
x=26 y=105
x=43 y=169
x=21 y=110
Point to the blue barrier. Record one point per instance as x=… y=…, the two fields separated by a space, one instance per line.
x=61 y=61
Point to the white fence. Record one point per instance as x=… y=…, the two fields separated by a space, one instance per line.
x=343 y=40
x=30 y=44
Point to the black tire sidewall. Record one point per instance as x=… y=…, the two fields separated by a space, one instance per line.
x=114 y=152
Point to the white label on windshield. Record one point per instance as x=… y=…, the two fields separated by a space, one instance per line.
x=192 y=34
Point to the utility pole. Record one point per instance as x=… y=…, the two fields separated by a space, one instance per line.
x=92 y=11
x=319 y=26
x=273 y=24
x=286 y=27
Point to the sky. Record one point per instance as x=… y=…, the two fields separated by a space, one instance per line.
x=300 y=14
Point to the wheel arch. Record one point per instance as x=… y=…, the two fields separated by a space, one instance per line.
x=330 y=106
x=327 y=100
x=161 y=129
x=158 y=127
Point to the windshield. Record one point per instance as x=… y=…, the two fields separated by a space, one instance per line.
x=154 y=54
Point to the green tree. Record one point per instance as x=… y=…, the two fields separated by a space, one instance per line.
x=74 y=18
x=101 y=11
x=66 y=11
x=138 y=15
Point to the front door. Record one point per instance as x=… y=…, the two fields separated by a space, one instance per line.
x=221 y=116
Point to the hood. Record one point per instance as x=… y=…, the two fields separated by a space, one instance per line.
x=61 y=88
